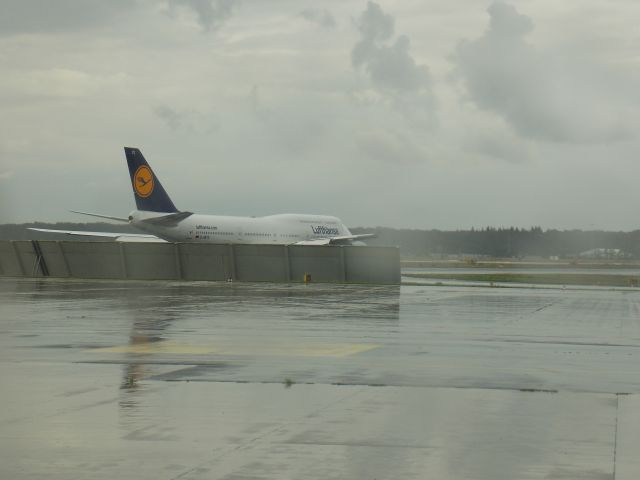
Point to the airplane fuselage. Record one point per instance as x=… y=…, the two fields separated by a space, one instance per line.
x=157 y=215
x=273 y=229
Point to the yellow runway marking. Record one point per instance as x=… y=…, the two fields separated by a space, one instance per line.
x=289 y=350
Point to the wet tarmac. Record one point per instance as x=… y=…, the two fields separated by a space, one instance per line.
x=174 y=380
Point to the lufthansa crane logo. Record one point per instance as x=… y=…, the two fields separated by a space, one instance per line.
x=143 y=181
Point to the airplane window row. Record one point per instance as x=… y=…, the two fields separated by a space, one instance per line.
x=201 y=233
x=216 y=233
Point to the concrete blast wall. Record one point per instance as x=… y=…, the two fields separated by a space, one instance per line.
x=192 y=261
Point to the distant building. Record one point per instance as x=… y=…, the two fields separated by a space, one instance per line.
x=604 y=253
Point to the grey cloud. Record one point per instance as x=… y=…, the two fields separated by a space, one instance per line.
x=390 y=66
x=321 y=17
x=172 y=118
x=390 y=146
x=505 y=21
x=545 y=95
x=375 y=25
x=494 y=143
x=257 y=107
x=502 y=149
x=185 y=120
x=46 y=16
x=211 y=13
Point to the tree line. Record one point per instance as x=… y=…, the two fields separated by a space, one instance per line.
x=504 y=242
x=488 y=241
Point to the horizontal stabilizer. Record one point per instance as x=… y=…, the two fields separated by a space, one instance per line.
x=170 y=220
x=119 y=219
x=119 y=237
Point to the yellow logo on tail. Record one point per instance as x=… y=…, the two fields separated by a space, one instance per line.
x=143 y=181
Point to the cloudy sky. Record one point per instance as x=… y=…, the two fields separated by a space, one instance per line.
x=413 y=113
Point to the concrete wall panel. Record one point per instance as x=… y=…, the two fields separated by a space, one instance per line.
x=94 y=259
x=190 y=261
x=151 y=261
x=55 y=259
x=28 y=258
x=324 y=264
x=9 y=261
x=261 y=263
x=205 y=261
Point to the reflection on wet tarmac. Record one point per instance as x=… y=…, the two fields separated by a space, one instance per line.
x=214 y=380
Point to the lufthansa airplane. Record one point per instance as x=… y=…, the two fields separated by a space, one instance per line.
x=157 y=215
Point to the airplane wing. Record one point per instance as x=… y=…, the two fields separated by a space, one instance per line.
x=118 y=237
x=319 y=241
x=343 y=240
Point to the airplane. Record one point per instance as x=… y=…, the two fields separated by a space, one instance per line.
x=157 y=215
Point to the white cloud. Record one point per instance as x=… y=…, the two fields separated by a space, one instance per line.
x=56 y=83
x=321 y=17
x=393 y=78
x=390 y=146
x=389 y=65
x=211 y=14
x=273 y=113
x=544 y=94
x=44 y=16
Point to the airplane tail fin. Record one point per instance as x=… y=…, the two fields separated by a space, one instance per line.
x=147 y=189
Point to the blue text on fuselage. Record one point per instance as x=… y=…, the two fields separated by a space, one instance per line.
x=322 y=230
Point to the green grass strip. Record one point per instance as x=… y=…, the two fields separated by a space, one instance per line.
x=536 y=278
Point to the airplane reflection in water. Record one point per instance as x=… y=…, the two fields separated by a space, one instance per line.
x=208 y=332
